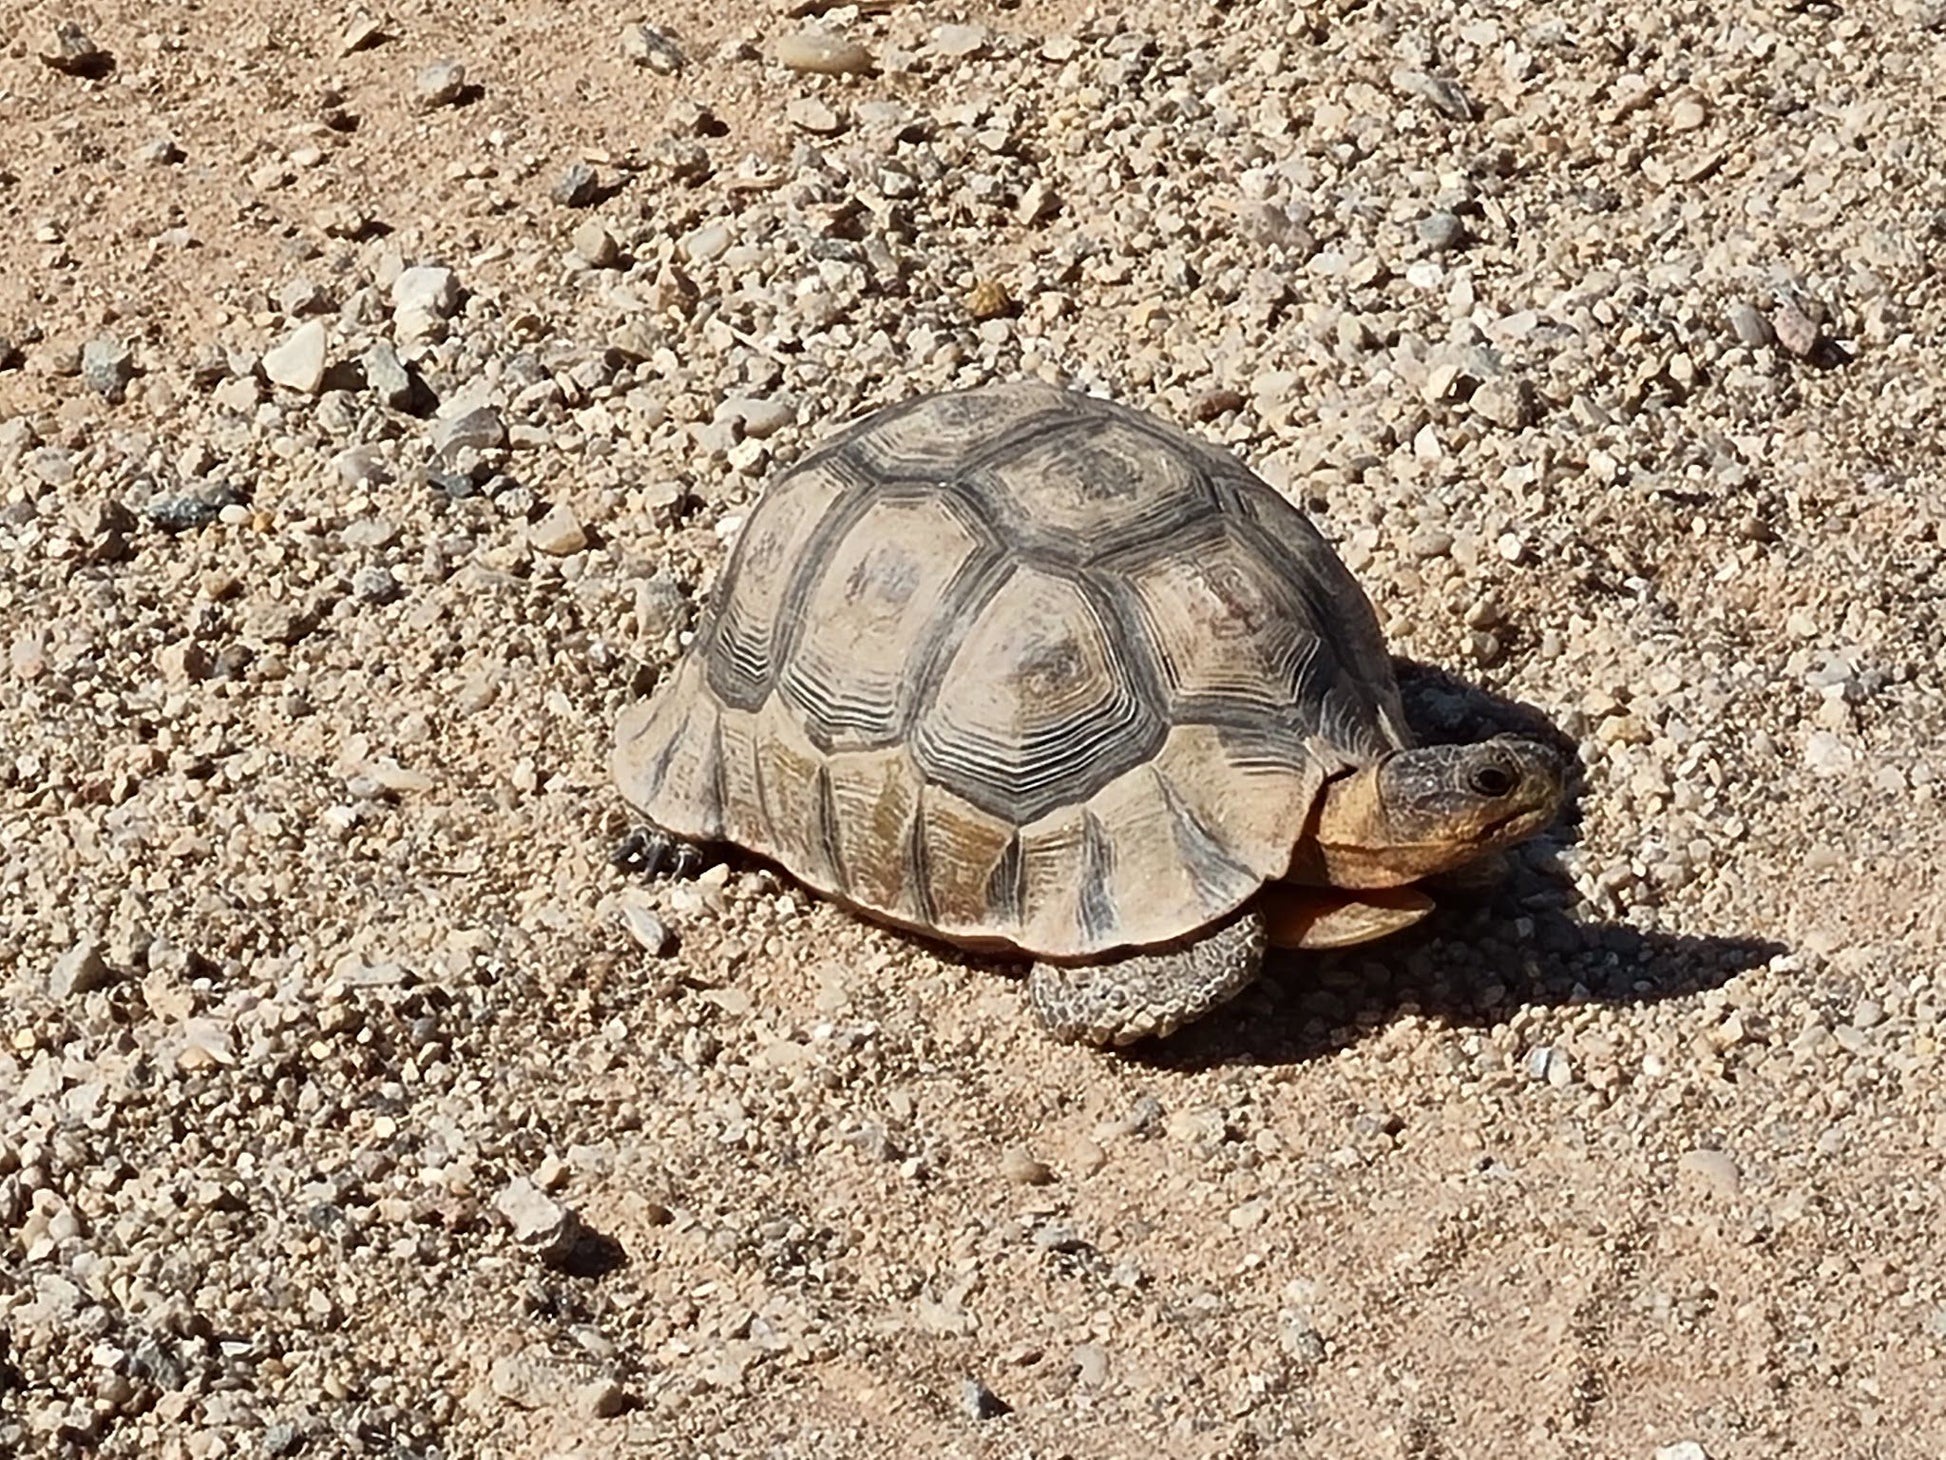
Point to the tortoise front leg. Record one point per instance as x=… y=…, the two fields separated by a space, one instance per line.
x=1149 y=994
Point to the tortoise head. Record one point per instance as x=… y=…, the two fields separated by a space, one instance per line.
x=1418 y=812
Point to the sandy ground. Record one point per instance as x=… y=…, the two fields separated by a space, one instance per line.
x=345 y=1110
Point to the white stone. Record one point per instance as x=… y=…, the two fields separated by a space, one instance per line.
x=822 y=54
x=298 y=362
x=423 y=298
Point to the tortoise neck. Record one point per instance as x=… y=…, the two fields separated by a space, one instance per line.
x=1353 y=843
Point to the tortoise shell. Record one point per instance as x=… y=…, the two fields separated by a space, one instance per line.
x=1019 y=668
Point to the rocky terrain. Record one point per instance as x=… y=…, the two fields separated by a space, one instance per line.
x=379 y=390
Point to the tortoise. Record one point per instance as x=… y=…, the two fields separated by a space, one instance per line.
x=1031 y=672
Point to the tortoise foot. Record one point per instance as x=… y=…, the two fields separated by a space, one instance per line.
x=653 y=852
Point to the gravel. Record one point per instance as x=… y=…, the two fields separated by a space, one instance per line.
x=351 y=485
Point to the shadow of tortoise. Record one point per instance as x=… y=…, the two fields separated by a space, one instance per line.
x=1464 y=967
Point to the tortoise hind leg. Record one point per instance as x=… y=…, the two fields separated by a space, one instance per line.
x=653 y=852
x=1149 y=994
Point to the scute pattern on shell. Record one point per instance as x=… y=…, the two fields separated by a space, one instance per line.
x=1021 y=668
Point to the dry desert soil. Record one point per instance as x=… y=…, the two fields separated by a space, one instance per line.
x=379 y=390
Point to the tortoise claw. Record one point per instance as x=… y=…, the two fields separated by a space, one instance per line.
x=653 y=852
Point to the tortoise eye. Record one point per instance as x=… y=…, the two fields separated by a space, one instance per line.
x=1492 y=781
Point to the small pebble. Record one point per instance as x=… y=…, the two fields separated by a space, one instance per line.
x=1750 y=327
x=363 y=465
x=1022 y=1168
x=441 y=84
x=819 y=53
x=1442 y=232
x=1716 y=1169
x=644 y=924
x=538 y=1222
x=375 y=585
x=385 y=375
x=479 y=429
x=1432 y=542
x=186 y=512
x=107 y=365
x=960 y=42
x=578 y=186
x=1508 y=403
x=558 y=533
x=595 y=246
x=646 y=45
x=69 y=49
x=808 y=114
x=760 y=419
x=989 y=299
x=707 y=243
x=1446 y=96
x=661 y=608
x=183 y=662
x=80 y=970
x=361 y=34
x=980 y=1402
x=599 y=1399
x=1688 y=112
x=1212 y=404
x=303 y=296
x=1038 y=202
x=1795 y=329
